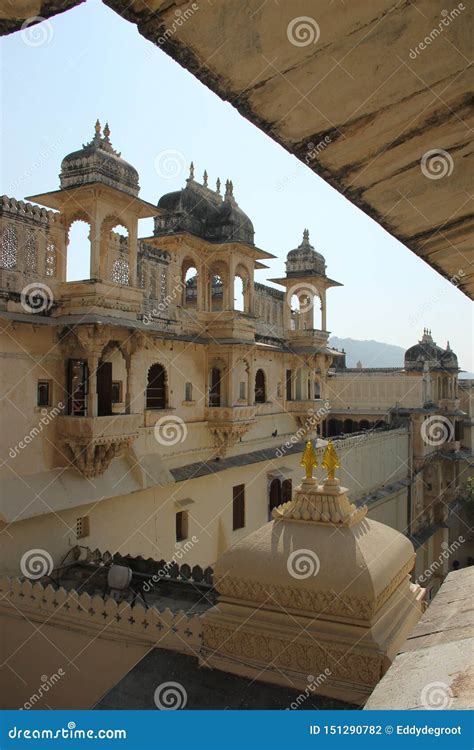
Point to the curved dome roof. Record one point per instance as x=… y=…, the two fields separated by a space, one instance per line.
x=304 y=259
x=97 y=161
x=201 y=211
x=426 y=350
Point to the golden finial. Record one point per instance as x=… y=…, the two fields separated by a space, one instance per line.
x=97 y=127
x=106 y=131
x=330 y=460
x=309 y=460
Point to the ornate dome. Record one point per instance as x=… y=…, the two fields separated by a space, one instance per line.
x=428 y=351
x=305 y=260
x=201 y=211
x=97 y=161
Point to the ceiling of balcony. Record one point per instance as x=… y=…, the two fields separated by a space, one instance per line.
x=374 y=97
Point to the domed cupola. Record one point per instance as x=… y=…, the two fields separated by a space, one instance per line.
x=427 y=351
x=97 y=161
x=305 y=260
x=202 y=211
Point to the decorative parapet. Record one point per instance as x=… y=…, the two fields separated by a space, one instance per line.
x=228 y=424
x=93 y=442
x=12 y=208
x=103 y=618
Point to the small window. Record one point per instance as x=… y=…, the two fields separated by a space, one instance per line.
x=242 y=395
x=43 y=395
x=82 y=527
x=181 y=525
x=117 y=392
x=238 y=507
x=188 y=391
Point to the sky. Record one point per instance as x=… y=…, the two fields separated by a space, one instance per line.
x=89 y=63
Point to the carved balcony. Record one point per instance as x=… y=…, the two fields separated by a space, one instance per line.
x=227 y=424
x=92 y=442
x=115 y=300
x=308 y=413
x=308 y=337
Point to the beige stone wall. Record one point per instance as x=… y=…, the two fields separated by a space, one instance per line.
x=143 y=523
x=359 y=390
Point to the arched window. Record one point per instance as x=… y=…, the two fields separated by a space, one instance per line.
x=217 y=292
x=260 y=391
x=9 y=248
x=156 y=395
x=239 y=294
x=215 y=387
x=78 y=251
x=31 y=252
x=190 y=279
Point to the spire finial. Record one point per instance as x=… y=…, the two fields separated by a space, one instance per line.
x=191 y=171
x=97 y=127
x=106 y=131
x=204 y=178
x=306 y=235
x=218 y=186
x=330 y=461
x=308 y=460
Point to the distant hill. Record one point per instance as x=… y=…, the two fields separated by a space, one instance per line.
x=370 y=353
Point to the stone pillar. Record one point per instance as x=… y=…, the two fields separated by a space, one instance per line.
x=92 y=406
x=132 y=254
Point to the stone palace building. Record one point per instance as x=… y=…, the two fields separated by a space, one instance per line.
x=159 y=407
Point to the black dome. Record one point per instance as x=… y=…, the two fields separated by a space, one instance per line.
x=201 y=211
x=426 y=350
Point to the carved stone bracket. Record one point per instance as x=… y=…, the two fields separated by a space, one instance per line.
x=228 y=424
x=92 y=442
